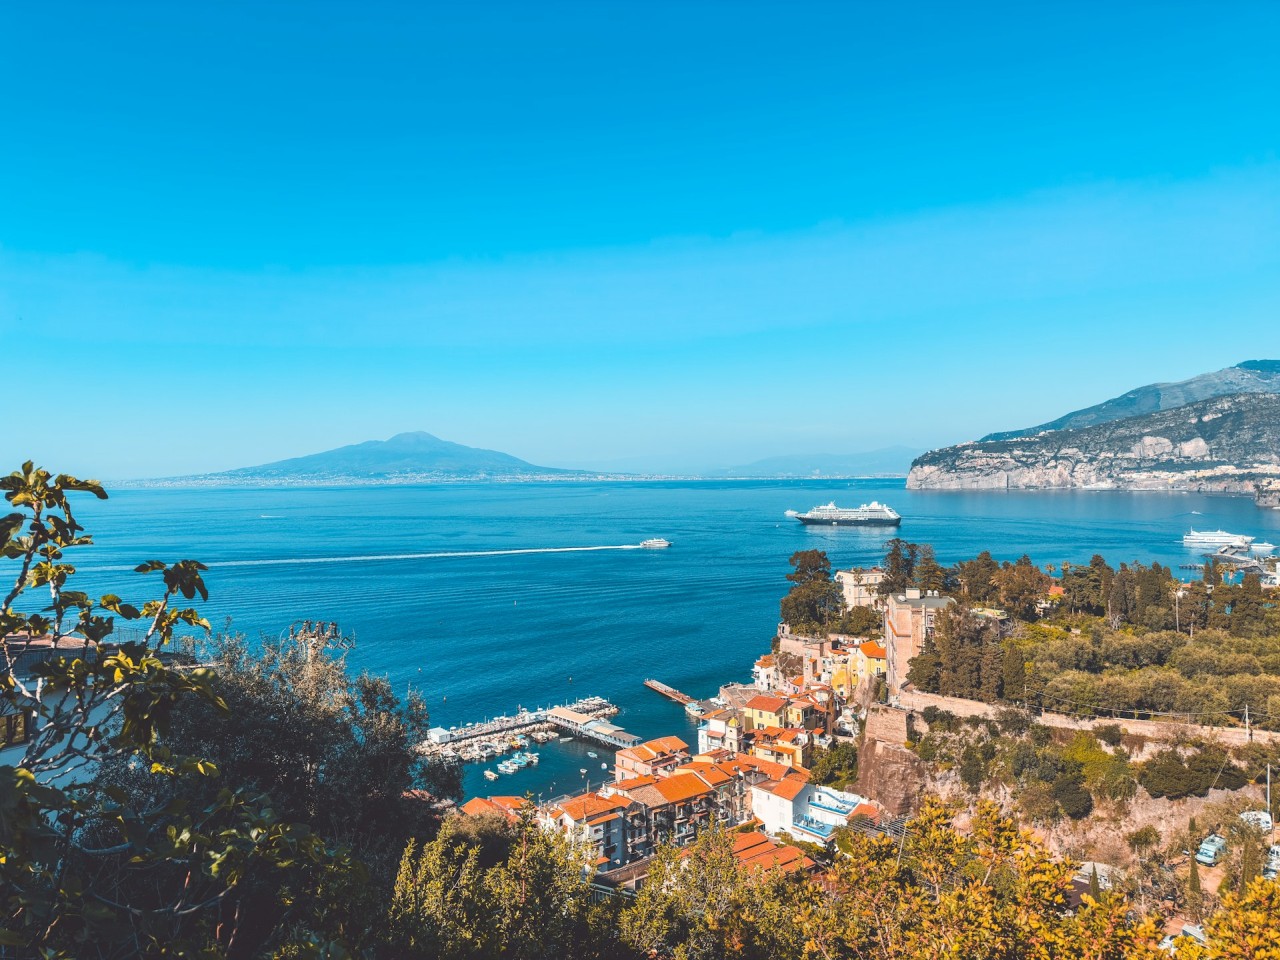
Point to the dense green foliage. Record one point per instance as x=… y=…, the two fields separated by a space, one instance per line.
x=835 y=766
x=815 y=603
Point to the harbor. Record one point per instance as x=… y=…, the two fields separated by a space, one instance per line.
x=583 y=719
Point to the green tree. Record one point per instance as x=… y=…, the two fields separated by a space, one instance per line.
x=530 y=901
x=928 y=573
x=815 y=602
x=87 y=867
x=836 y=765
x=337 y=752
x=899 y=566
x=700 y=904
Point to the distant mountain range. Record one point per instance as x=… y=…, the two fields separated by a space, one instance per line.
x=1252 y=376
x=421 y=457
x=1216 y=432
x=887 y=462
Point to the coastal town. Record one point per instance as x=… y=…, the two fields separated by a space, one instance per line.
x=750 y=768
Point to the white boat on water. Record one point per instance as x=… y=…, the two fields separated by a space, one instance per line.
x=1262 y=548
x=874 y=514
x=593 y=755
x=655 y=543
x=490 y=775
x=1215 y=538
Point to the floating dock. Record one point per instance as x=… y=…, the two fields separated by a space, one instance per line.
x=670 y=692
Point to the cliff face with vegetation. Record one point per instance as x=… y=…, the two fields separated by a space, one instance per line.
x=1227 y=444
x=1252 y=376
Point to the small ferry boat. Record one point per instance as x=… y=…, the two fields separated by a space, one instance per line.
x=873 y=514
x=1215 y=538
x=694 y=709
x=655 y=543
x=1262 y=548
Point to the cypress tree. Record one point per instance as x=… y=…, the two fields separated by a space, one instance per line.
x=1095 y=888
x=1193 y=882
x=1249 y=866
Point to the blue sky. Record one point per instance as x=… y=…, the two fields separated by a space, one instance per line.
x=682 y=235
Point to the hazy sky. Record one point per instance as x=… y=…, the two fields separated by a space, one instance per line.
x=689 y=234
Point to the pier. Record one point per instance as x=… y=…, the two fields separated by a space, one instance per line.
x=670 y=692
x=591 y=728
x=479 y=741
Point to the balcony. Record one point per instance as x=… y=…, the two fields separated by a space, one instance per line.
x=814 y=828
x=831 y=804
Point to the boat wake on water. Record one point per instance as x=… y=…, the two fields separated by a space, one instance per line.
x=368 y=558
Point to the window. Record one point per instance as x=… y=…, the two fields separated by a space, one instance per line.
x=13 y=729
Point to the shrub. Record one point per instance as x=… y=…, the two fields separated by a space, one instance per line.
x=1076 y=802
x=1144 y=839
x=1013 y=723
x=973 y=771
x=1110 y=734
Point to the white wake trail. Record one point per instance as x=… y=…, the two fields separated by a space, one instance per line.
x=369 y=558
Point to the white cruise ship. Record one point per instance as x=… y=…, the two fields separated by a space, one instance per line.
x=1215 y=538
x=869 y=514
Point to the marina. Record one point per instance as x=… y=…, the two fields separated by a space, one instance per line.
x=477 y=742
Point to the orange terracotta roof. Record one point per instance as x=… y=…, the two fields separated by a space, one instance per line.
x=766 y=660
x=604 y=819
x=680 y=787
x=757 y=851
x=865 y=810
x=479 y=806
x=774 y=771
x=1056 y=591
x=589 y=805
x=653 y=749
x=667 y=744
x=873 y=651
x=765 y=702
x=634 y=782
x=712 y=774
x=789 y=788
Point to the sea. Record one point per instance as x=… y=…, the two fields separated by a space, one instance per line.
x=488 y=597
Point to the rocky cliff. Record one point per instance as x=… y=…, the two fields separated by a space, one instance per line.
x=1228 y=444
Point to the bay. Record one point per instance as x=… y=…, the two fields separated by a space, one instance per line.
x=423 y=576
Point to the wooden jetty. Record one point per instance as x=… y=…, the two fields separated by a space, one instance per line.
x=667 y=691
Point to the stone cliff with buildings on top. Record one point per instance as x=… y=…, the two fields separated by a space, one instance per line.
x=1153 y=438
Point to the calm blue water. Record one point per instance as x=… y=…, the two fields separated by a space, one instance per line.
x=481 y=635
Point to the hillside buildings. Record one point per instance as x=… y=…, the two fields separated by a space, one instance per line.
x=910 y=618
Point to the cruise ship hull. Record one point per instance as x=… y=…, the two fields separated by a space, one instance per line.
x=854 y=522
